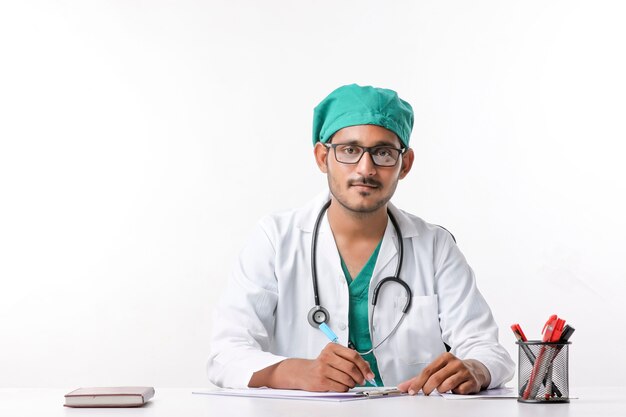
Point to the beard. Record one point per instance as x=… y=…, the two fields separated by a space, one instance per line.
x=369 y=201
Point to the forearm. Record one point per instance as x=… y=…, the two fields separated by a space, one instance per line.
x=282 y=375
x=337 y=369
x=471 y=330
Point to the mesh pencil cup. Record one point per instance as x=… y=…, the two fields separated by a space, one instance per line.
x=543 y=373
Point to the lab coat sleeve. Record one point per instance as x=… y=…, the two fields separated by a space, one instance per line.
x=467 y=324
x=244 y=318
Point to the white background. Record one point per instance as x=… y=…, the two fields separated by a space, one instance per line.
x=141 y=141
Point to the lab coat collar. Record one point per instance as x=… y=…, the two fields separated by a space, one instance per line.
x=308 y=215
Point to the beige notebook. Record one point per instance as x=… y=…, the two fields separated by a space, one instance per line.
x=109 y=397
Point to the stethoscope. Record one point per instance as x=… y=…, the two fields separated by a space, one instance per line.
x=319 y=314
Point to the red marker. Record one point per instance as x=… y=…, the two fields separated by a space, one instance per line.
x=519 y=334
x=552 y=329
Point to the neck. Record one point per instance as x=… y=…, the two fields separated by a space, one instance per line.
x=354 y=225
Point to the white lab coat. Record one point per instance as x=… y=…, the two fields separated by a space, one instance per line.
x=262 y=317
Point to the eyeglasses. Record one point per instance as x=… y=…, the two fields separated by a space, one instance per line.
x=382 y=156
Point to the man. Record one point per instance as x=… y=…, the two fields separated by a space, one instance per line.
x=265 y=331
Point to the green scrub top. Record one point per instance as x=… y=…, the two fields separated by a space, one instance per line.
x=359 y=331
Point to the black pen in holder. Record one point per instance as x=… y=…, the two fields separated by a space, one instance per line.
x=543 y=373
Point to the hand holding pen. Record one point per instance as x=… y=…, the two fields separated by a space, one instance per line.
x=369 y=376
x=337 y=368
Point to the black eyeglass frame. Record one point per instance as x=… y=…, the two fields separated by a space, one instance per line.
x=365 y=149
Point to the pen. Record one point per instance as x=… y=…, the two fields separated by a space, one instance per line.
x=565 y=335
x=334 y=339
x=382 y=392
x=521 y=337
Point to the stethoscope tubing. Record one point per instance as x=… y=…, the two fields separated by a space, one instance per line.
x=314 y=251
x=396 y=278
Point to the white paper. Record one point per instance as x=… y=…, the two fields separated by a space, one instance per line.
x=490 y=393
x=352 y=395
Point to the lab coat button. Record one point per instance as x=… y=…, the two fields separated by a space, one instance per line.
x=342 y=326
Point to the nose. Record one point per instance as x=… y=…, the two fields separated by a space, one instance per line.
x=366 y=166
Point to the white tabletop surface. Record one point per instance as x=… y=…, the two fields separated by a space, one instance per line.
x=179 y=402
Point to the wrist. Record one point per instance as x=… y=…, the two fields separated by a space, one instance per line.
x=480 y=371
x=286 y=374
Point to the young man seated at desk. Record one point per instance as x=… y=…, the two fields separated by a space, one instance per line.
x=324 y=263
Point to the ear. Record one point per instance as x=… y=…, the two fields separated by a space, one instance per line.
x=407 y=163
x=321 y=155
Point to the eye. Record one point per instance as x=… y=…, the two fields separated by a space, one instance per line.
x=348 y=149
x=384 y=152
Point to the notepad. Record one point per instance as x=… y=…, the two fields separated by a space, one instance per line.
x=109 y=397
x=361 y=393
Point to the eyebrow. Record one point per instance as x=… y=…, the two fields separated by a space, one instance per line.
x=379 y=143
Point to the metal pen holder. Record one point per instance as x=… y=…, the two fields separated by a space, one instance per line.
x=543 y=373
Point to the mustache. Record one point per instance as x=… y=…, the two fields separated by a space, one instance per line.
x=364 y=181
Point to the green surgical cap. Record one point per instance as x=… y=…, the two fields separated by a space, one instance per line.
x=353 y=105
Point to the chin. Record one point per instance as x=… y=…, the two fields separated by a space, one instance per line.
x=360 y=201
x=364 y=206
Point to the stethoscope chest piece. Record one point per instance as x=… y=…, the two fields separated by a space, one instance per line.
x=318 y=315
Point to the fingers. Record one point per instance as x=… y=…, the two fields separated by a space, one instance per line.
x=413 y=386
x=453 y=382
x=468 y=387
x=322 y=383
x=435 y=380
x=362 y=370
x=446 y=373
x=340 y=377
x=339 y=368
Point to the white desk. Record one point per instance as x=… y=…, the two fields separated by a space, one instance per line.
x=169 y=402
